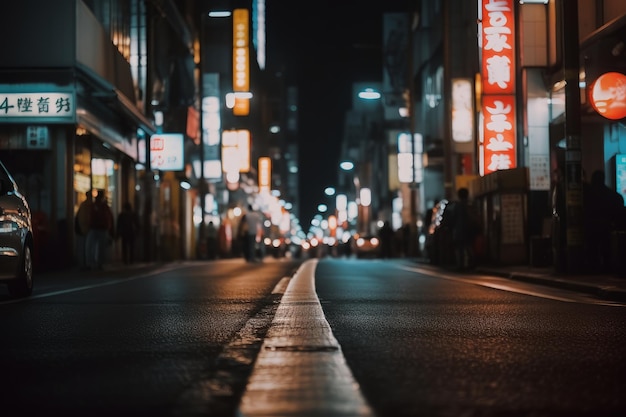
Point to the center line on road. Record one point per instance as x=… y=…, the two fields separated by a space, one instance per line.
x=300 y=370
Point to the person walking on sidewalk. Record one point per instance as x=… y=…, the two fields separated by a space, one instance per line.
x=465 y=226
x=253 y=229
x=211 y=236
x=81 y=227
x=100 y=231
x=127 y=229
x=386 y=236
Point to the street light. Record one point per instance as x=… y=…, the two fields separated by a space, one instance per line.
x=346 y=204
x=220 y=13
x=346 y=165
x=369 y=94
x=409 y=161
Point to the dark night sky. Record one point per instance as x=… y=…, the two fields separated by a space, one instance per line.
x=325 y=48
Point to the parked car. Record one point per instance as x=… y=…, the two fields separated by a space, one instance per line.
x=16 y=238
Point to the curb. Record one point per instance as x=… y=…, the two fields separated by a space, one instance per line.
x=608 y=293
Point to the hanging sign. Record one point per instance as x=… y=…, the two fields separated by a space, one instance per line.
x=608 y=95
x=167 y=152
x=499 y=133
x=498 y=139
x=498 y=47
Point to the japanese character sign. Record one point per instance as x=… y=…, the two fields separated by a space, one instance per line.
x=499 y=144
x=498 y=52
x=59 y=107
x=498 y=147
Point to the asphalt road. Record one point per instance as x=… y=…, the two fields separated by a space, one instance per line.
x=331 y=337
x=436 y=344
x=176 y=341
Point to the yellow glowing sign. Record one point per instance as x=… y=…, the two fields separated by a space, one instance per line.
x=236 y=151
x=265 y=174
x=241 y=60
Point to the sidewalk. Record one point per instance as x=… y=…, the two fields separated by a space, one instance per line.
x=606 y=286
x=603 y=285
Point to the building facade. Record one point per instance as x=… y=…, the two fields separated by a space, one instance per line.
x=500 y=100
x=121 y=96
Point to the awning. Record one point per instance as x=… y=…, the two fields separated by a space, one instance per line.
x=98 y=89
x=615 y=27
x=604 y=50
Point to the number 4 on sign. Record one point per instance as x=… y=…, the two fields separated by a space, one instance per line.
x=5 y=105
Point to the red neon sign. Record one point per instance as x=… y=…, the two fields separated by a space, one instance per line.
x=498 y=47
x=499 y=140
x=608 y=95
x=499 y=143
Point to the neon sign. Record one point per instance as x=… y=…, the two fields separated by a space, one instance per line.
x=498 y=147
x=608 y=95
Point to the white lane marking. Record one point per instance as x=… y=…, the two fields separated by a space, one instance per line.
x=300 y=370
x=278 y=289
x=281 y=287
x=94 y=285
x=575 y=298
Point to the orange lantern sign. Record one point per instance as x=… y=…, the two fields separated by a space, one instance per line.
x=608 y=95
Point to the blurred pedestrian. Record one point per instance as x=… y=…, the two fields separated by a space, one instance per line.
x=211 y=233
x=242 y=237
x=406 y=240
x=254 y=229
x=100 y=233
x=603 y=208
x=127 y=230
x=81 y=228
x=386 y=236
x=464 y=224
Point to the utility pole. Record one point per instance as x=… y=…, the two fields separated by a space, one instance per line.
x=448 y=173
x=573 y=178
x=413 y=187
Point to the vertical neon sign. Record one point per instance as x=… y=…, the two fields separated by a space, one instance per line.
x=241 y=60
x=498 y=146
x=265 y=175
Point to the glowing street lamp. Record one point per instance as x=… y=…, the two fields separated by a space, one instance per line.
x=220 y=13
x=346 y=165
x=369 y=94
x=365 y=195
